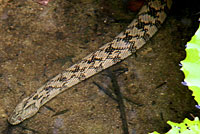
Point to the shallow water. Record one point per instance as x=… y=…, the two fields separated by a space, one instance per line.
x=37 y=42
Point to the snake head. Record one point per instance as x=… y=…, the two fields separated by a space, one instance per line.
x=23 y=110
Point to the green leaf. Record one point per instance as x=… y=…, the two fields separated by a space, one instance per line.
x=191 y=65
x=186 y=127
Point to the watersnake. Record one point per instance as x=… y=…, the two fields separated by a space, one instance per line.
x=137 y=33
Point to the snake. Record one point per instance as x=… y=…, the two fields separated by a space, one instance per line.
x=146 y=23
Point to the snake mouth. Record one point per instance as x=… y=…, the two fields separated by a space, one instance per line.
x=15 y=119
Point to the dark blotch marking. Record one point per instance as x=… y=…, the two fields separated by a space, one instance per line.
x=116 y=59
x=83 y=69
x=140 y=25
x=132 y=48
x=152 y=12
x=109 y=49
x=48 y=88
x=97 y=68
x=82 y=77
x=61 y=78
x=72 y=76
x=146 y=37
x=43 y=99
x=25 y=104
x=35 y=97
x=127 y=38
x=157 y=24
x=76 y=69
x=93 y=59
x=40 y=97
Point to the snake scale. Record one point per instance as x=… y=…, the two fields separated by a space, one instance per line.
x=138 y=32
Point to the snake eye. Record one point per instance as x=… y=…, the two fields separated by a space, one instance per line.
x=19 y=118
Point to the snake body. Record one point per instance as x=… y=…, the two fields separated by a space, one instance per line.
x=138 y=32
